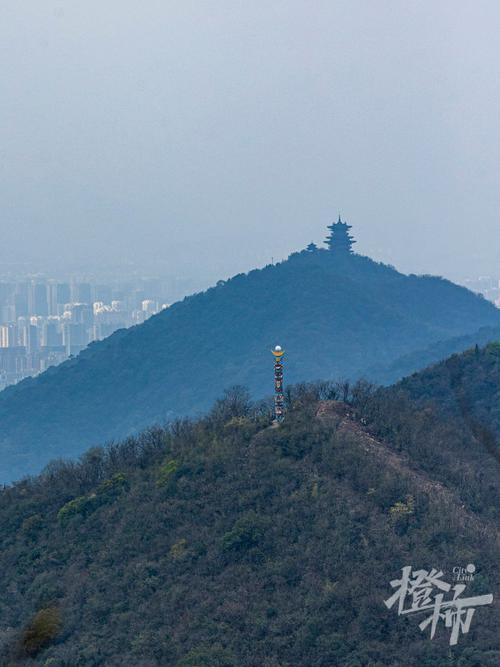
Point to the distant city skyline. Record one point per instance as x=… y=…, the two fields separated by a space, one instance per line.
x=44 y=321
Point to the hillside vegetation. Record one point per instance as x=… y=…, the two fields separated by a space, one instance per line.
x=226 y=542
x=336 y=316
x=416 y=361
x=467 y=386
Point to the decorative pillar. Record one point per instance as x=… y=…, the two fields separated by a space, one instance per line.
x=279 y=399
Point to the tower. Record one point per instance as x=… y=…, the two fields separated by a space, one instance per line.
x=279 y=400
x=339 y=240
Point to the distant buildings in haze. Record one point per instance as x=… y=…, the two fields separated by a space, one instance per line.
x=44 y=322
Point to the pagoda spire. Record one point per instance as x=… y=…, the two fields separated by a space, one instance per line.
x=339 y=240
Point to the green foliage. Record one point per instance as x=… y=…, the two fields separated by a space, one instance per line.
x=264 y=546
x=248 y=531
x=401 y=513
x=166 y=471
x=116 y=483
x=455 y=402
x=401 y=509
x=106 y=492
x=76 y=506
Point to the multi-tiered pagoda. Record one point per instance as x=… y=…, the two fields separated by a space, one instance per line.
x=339 y=240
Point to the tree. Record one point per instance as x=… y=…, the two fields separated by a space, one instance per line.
x=339 y=240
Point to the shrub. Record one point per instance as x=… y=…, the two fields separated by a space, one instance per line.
x=79 y=505
x=247 y=532
x=400 y=514
x=118 y=482
x=106 y=492
x=166 y=471
x=400 y=509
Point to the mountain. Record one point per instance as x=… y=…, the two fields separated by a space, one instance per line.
x=415 y=361
x=227 y=542
x=466 y=386
x=336 y=315
x=447 y=417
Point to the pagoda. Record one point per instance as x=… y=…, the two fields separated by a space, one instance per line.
x=339 y=240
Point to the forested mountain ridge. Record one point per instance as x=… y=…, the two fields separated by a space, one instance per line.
x=416 y=361
x=456 y=401
x=335 y=314
x=466 y=386
x=227 y=542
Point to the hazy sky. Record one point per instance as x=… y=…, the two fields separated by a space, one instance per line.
x=216 y=134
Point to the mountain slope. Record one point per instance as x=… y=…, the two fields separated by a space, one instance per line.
x=334 y=315
x=455 y=402
x=225 y=542
x=466 y=386
x=416 y=361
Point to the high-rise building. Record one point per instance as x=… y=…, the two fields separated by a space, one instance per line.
x=21 y=300
x=51 y=337
x=44 y=321
x=74 y=337
x=39 y=304
x=9 y=335
x=52 y=297
x=4 y=336
x=82 y=293
x=63 y=293
x=82 y=313
x=33 y=339
x=23 y=324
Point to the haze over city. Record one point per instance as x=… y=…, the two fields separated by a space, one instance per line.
x=135 y=133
